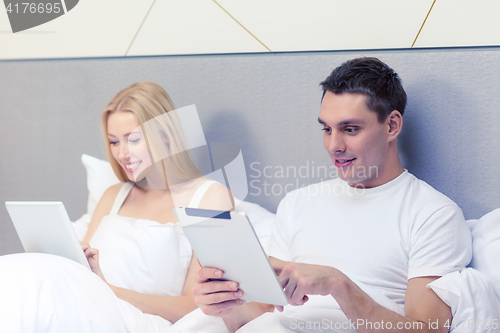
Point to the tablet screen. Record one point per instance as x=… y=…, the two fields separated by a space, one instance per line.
x=227 y=241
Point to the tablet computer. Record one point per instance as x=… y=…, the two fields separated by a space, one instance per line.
x=44 y=227
x=227 y=241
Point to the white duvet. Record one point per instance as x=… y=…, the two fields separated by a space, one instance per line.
x=45 y=293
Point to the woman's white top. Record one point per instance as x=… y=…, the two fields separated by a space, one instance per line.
x=144 y=255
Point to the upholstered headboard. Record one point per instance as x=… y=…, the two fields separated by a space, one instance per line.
x=268 y=104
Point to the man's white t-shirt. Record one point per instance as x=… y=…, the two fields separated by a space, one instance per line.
x=381 y=236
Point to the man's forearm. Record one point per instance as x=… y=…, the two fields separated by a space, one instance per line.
x=370 y=316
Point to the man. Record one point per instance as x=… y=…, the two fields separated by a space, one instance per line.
x=376 y=224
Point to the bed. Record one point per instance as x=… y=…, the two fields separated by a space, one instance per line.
x=268 y=104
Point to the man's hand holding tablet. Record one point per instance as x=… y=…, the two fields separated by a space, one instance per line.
x=235 y=267
x=223 y=299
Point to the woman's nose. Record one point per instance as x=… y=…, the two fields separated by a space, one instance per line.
x=124 y=152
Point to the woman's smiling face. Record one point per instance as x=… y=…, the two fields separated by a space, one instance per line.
x=127 y=143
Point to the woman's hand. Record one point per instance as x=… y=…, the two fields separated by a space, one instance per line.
x=93 y=259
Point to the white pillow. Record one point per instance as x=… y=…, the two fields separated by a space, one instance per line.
x=473 y=303
x=100 y=177
x=486 y=247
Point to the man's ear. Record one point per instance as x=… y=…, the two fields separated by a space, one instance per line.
x=395 y=124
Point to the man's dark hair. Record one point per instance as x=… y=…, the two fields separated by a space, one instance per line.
x=369 y=76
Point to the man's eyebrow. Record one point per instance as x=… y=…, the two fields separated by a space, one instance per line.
x=321 y=122
x=344 y=122
x=351 y=122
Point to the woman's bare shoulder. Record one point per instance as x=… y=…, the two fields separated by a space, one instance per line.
x=113 y=190
x=108 y=198
x=102 y=209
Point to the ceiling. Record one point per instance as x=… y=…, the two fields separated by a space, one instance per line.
x=116 y=28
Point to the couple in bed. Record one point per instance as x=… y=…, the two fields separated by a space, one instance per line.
x=357 y=249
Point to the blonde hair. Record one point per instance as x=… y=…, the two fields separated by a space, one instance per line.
x=148 y=101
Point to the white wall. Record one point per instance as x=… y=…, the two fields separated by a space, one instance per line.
x=267 y=104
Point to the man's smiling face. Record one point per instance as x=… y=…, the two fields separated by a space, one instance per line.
x=357 y=142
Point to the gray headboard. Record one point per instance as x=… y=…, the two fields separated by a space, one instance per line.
x=266 y=103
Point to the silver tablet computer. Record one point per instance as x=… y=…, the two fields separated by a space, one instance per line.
x=44 y=227
x=226 y=240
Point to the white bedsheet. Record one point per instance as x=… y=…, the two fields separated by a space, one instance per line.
x=474 y=305
x=50 y=294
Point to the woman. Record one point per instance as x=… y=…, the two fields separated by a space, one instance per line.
x=146 y=259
